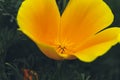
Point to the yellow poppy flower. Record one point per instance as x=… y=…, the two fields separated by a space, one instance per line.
x=77 y=33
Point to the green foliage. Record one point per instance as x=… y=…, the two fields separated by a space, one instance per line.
x=62 y=4
x=18 y=52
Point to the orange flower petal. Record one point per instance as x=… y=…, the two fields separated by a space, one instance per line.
x=98 y=45
x=49 y=51
x=82 y=19
x=39 y=19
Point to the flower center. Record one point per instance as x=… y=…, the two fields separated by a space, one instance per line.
x=64 y=51
x=61 y=49
x=64 y=48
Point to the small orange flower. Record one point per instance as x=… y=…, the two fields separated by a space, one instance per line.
x=29 y=74
x=77 y=33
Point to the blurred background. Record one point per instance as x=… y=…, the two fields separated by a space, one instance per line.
x=20 y=59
